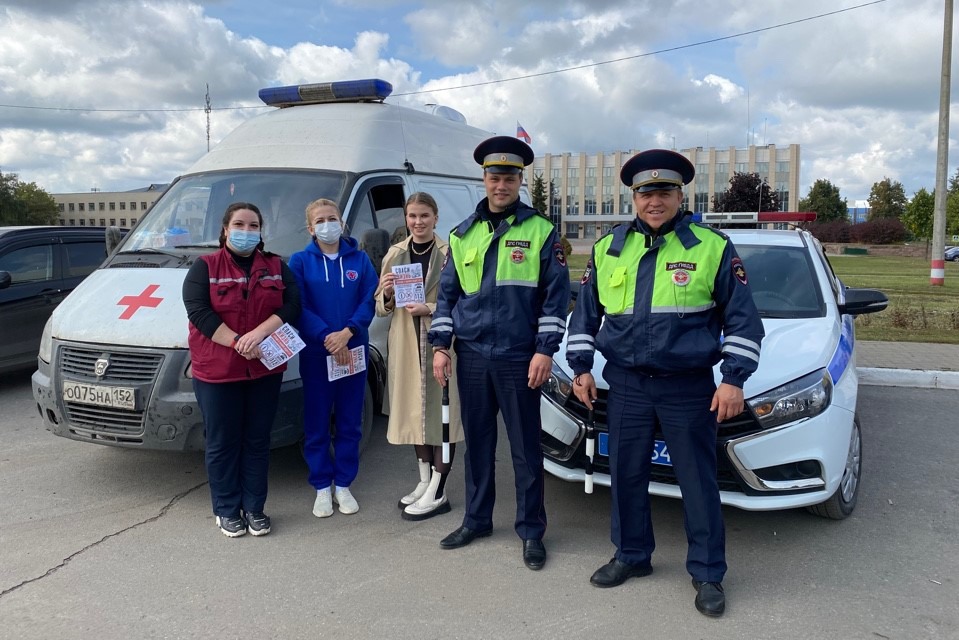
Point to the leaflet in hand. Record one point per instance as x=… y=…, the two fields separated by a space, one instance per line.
x=356 y=364
x=408 y=284
x=280 y=346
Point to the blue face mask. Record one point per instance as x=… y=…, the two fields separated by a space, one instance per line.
x=244 y=241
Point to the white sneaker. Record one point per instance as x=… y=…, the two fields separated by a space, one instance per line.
x=345 y=499
x=323 y=506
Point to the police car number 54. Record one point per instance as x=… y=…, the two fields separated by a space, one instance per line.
x=99 y=395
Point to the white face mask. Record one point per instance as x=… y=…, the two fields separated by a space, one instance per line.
x=328 y=232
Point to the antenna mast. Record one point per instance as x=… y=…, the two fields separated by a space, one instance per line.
x=208 y=109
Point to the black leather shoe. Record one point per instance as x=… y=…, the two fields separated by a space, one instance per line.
x=710 y=599
x=462 y=537
x=616 y=572
x=534 y=554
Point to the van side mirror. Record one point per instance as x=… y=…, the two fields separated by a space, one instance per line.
x=860 y=301
x=5 y=279
x=113 y=236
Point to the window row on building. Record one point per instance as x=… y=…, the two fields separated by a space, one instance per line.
x=70 y=207
x=93 y=222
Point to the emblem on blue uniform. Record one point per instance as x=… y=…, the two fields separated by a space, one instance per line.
x=739 y=270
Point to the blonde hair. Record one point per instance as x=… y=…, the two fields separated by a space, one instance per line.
x=322 y=202
x=422 y=197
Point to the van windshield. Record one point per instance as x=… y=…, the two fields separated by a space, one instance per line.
x=190 y=213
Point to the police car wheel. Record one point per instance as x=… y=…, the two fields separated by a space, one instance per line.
x=843 y=502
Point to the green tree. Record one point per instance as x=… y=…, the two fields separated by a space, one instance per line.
x=538 y=194
x=919 y=214
x=11 y=209
x=952 y=205
x=887 y=199
x=39 y=206
x=824 y=199
x=746 y=192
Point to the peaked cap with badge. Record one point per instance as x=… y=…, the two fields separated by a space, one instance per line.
x=503 y=154
x=657 y=169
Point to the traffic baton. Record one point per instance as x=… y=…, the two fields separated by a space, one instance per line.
x=590 y=450
x=446 y=423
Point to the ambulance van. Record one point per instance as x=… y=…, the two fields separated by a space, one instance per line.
x=113 y=365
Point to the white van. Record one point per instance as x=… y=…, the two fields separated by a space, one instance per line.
x=114 y=367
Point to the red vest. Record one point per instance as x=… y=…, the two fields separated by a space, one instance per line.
x=228 y=284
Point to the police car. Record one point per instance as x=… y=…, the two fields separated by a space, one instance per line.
x=798 y=443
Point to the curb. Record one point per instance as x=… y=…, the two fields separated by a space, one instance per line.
x=908 y=378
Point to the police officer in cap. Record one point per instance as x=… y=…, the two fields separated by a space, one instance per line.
x=504 y=292
x=668 y=289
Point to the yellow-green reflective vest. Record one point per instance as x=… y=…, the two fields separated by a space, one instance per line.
x=517 y=258
x=683 y=279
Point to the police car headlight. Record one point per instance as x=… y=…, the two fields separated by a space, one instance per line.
x=46 y=342
x=803 y=398
x=558 y=386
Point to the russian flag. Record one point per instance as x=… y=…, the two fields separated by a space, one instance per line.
x=521 y=133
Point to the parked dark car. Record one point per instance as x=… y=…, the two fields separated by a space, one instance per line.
x=39 y=266
x=952 y=254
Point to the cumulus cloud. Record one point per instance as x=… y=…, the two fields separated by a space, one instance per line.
x=857 y=90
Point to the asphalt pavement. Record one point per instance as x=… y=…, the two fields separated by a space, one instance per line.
x=908 y=364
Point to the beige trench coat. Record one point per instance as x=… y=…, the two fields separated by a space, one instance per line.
x=414 y=399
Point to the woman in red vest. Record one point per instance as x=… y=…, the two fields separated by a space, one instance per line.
x=234 y=299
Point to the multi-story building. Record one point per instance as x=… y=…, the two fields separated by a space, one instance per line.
x=106 y=208
x=587 y=199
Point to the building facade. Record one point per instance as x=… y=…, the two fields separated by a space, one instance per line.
x=106 y=208
x=586 y=197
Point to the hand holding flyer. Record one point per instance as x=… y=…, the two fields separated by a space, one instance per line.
x=408 y=284
x=280 y=346
x=356 y=364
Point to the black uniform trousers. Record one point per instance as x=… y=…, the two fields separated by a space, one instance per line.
x=680 y=404
x=487 y=387
x=238 y=419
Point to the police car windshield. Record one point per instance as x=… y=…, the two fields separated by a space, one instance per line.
x=189 y=215
x=783 y=281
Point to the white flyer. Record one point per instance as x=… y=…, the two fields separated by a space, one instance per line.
x=408 y=284
x=356 y=364
x=280 y=346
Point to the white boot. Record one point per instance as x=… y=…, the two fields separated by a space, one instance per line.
x=420 y=489
x=428 y=505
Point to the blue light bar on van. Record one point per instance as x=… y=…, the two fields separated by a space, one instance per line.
x=348 y=91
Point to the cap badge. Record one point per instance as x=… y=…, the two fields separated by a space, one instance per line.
x=503 y=158
x=655 y=173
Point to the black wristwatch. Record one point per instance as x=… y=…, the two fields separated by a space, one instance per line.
x=352 y=330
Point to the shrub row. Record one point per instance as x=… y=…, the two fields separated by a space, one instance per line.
x=881 y=231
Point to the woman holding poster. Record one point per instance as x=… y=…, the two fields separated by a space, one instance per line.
x=407 y=291
x=234 y=299
x=337 y=282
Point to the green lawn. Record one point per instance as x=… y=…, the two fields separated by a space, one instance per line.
x=917 y=312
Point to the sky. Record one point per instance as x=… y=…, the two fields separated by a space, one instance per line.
x=109 y=94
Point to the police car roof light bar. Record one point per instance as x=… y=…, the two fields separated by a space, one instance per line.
x=744 y=217
x=369 y=90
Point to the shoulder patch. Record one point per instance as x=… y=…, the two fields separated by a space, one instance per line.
x=559 y=253
x=739 y=270
x=587 y=272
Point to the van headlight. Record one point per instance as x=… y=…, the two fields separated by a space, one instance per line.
x=46 y=342
x=802 y=398
x=558 y=386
